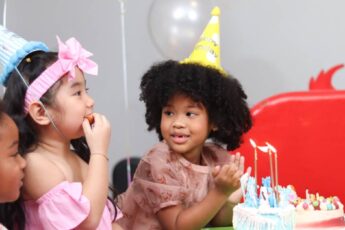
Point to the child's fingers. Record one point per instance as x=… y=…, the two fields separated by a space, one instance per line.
x=86 y=126
x=241 y=164
x=97 y=118
x=237 y=175
x=227 y=171
x=237 y=159
x=215 y=171
x=232 y=158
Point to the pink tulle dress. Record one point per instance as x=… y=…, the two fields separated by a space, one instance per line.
x=64 y=207
x=164 y=179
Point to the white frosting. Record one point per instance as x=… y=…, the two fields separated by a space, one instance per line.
x=308 y=217
x=263 y=218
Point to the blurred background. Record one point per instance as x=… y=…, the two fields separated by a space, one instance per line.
x=270 y=46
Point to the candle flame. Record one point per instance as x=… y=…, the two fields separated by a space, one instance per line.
x=263 y=149
x=271 y=147
x=252 y=142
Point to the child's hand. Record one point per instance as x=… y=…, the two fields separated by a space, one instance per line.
x=238 y=160
x=227 y=178
x=98 y=136
x=237 y=195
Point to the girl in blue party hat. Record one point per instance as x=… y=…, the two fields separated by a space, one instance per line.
x=47 y=97
x=184 y=181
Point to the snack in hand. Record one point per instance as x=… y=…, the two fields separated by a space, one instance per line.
x=90 y=118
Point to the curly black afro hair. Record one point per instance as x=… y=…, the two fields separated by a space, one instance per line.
x=221 y=94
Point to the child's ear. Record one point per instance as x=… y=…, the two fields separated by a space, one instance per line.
x=38 y=114
x=214 y=128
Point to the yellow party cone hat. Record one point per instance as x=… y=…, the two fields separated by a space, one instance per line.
x=207 y=51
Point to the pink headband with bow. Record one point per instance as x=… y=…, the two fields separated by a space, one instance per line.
x=70 y=55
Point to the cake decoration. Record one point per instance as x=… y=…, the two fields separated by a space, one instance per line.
x=271 y=207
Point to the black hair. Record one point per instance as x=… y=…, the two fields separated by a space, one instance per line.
x=12 y=214
x=220 y=93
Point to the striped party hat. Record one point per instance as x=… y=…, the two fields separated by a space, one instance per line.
x=13 y=49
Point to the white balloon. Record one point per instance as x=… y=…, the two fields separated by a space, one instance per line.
x=176 y=25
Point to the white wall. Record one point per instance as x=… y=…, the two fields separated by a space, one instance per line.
x=271 y=46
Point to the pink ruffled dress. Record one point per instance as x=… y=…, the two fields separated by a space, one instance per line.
x=64 y=207
x=164 y=179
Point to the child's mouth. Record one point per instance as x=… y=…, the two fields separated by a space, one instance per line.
x=179 y=139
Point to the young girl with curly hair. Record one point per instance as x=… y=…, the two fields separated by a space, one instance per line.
x=186 y=181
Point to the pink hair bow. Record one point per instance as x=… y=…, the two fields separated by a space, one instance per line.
x=70 y=55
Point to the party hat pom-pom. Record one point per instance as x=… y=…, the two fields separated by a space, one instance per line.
x=215 y=11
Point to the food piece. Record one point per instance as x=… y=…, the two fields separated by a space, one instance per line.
x=90 y=118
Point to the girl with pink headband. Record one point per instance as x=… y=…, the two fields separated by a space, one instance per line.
x=63 y=188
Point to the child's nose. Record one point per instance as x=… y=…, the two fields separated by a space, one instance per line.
x=89 y=101
x=178 y=123
x=22 y=162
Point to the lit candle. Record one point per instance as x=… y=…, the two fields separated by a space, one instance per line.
x=275 y=163
x=265 y=149
x=252 y=142
x=307 y=195
x=271 y=167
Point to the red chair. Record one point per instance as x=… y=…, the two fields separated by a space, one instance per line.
x=308 y=131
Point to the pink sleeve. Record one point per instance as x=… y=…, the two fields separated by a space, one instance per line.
x=63 y=207
x=159 y=180
x=219 y=155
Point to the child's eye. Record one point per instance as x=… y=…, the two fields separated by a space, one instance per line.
x=190 y=114
x=78 y=93
x=87 y=90
x=15 y=154
x=168 y=113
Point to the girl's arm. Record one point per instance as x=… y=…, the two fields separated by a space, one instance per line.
x=224 y=216
x=196 y=217
x=95 y=186
x=116 y=226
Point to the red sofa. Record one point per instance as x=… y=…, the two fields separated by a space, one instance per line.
x=308 y=130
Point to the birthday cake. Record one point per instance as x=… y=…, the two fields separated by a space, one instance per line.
x=318 y=211
x=277 y=207
x=265 y=211
x=271 y=209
